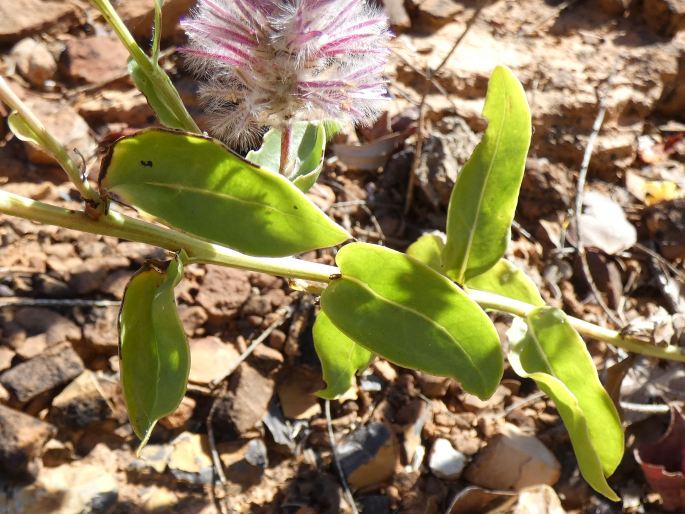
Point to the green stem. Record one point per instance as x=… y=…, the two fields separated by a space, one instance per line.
x=48 y=142
x=500 y=303
x=199 y=251
x=119 y=225
x=162 y=84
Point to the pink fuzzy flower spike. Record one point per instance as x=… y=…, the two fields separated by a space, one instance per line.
x=269 y=62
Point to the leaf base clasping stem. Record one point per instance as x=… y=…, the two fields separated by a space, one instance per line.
x=200 y=251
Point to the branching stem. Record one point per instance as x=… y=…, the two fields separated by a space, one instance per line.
x=48 y=142
x=200 y=251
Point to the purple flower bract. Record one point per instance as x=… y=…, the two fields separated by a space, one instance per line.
x=269 y=62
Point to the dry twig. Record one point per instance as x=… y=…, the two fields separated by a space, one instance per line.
x=336 y=460
x=218 y=467
x=578 y=205
x=284 y=314
x=429 y=78
x=16 y=301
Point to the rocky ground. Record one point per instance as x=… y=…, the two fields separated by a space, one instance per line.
x=409 y=442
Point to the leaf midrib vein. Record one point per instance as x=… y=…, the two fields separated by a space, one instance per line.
x=421 y=315
x=481 y=196
x=234 y=198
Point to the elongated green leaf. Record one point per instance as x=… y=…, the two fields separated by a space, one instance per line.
x=553 y=354
x=305 y=153
x=484 y=197
x=506 y=279
x=341 y=358
x=428 y=249
x=155 y=359
x=403 y=310
x=198 y=185
x=145 y=83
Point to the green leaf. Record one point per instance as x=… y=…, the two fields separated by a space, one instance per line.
x=484 y=197
x=305 y=153
x=21 y=130
x=553 y=354
x=153 y=351
x=196 y=184
x=147 y=85
x=428 y=249
x=341 y=358
x=157 y=30
x=403 y=310
x=505 y=279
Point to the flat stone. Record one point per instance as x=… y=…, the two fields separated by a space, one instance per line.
x=193 y=318
x=433 y=386
x=34 y=61
x=63 y=122
x=296 y=394
x=4 y=395
x=113 y=106
x=81 y=403
x=100 y=332
x=57 y=328
x=55 y=367
x=6 y=356
x=444 y=461
x=210 y=359
x=190 y=460
x=513 y=460
x=20 y=18
x=94 y=59
x=437 y=13
x=32 y=346
x=153 y=456
x=115 y=283
x=613 y=7
x=223 y=292
x=247 y=401
x=368 y=455
x=665 y=17
x=397 y=14
x=181 y=416
x=21 y=439
x=538 y=500
x=89 y=276
x=244 y=463
x=138 y=16
x=67 y=489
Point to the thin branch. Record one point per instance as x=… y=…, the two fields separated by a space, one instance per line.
x=578 y=206
x=645 y=408
x=16 y=301
x=521 y=403
x=341 y=474
x=216 y=459
x=664 y=262
x=118 y=225
x=283 y=315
